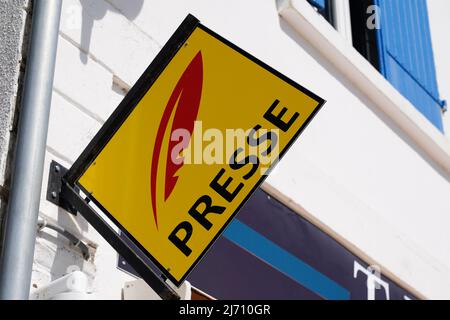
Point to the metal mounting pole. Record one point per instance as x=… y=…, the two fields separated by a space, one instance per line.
x=19 y=234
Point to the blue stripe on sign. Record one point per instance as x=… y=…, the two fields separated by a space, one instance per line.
x=252 y=241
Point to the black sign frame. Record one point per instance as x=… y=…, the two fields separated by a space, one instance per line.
x=128 y=104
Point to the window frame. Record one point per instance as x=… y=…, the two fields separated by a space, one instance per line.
x=383 y=97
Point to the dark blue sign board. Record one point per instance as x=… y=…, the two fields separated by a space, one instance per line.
x=270 y=252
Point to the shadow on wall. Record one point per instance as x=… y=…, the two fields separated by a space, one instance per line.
x=93 y=10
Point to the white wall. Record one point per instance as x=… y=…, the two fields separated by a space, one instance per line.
x=352 y=169
x=440 y=25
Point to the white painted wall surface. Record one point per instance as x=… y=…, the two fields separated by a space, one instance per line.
x=440 y=25
x=352 y=169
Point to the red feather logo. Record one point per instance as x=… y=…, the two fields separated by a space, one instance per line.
x=185 y=101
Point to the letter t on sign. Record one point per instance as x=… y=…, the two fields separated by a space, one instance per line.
x=373 y=281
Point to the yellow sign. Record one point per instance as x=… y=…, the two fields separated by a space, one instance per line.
x=174 y=173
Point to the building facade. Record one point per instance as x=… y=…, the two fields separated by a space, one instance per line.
x=371 y=172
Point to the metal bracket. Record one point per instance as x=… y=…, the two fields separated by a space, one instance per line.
x=68 y=197
x=55 y=176
x=444 y=106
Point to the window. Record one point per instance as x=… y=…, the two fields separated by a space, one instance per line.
x=394 y=36
x=364 y=38
x=324 y=8
x=399 y=46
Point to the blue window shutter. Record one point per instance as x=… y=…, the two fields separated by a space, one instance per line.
x=406 y=54
x=319 y=4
